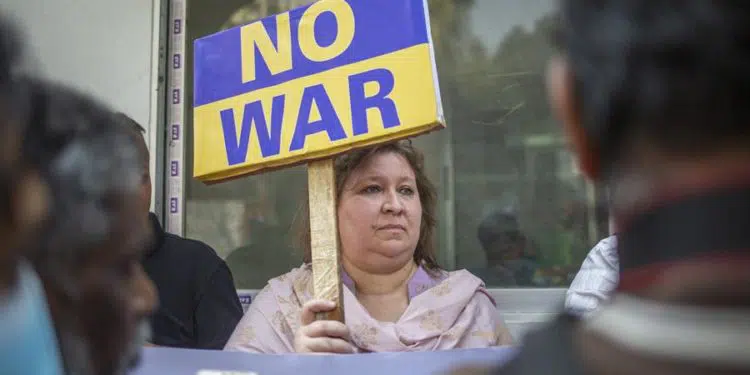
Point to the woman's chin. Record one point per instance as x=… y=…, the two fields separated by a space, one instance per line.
x=395 y=250
x=392 y=235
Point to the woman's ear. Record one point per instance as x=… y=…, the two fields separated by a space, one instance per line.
x=566 y=108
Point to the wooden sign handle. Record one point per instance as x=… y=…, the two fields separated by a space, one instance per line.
x=324 y=238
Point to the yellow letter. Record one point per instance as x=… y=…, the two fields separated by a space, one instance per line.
x=344 y=35
x=278 y=58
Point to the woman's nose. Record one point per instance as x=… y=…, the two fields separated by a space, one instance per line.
x=392 y=203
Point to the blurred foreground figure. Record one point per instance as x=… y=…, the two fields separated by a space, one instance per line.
x=88 y=254
x=27 y=339
x=653 y=96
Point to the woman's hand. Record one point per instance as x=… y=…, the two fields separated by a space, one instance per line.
x=322 y=336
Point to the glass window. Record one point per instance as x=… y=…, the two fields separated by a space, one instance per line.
x=513 y=209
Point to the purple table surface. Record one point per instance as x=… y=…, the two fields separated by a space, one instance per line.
x=165 y=361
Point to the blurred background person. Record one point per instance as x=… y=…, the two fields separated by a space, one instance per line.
x=89 y=251
x=28 y=344
x=199 y=306
x=511 y=257
x=596 y=280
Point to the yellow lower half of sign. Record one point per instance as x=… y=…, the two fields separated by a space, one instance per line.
x=386 y=98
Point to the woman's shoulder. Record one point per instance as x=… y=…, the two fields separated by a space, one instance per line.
x=303 y=271
x=469 y=280
x=297 y=282
x=464 y=276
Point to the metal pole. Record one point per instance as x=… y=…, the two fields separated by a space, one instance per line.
x=175 y=212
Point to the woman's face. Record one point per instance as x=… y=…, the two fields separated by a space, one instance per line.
x=380 y=214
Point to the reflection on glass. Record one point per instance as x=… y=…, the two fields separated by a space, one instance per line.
x=514 y=210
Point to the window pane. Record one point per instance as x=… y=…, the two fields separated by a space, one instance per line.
x=501 y=161
x=524 y=216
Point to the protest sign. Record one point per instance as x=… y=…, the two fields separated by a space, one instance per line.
x=306 y=85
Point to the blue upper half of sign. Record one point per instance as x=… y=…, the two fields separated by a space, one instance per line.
x=381 y=27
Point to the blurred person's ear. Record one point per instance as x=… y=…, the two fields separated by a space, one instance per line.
x=566 y=107
x=32 y=202
x=28 y=207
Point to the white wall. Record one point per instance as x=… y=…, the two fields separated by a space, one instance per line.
x=108 y=48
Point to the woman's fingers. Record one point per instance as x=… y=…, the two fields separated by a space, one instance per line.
x=326 y=345
x=326 y=328
x=322 y=336
x=312 y=307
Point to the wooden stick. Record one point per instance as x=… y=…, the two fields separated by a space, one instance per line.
x=324 y=238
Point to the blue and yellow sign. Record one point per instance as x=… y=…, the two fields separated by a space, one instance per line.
x=312 y=83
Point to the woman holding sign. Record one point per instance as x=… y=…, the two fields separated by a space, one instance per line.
x=396 y=297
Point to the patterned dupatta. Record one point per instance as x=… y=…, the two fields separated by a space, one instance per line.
x=446 y=312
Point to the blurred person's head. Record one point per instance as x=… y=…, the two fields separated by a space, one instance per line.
x=137 y=132
x=501 y=238
x=653 y=97
x=27 y=338
x=652 y=94
x=22 y=195
x=386 y=210
x=88 y=254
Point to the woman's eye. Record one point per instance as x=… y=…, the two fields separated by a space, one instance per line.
x=371 y=189
x=406 y=190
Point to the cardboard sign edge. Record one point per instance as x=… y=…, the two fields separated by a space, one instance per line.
x=242 y=171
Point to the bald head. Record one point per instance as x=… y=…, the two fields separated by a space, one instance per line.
x=136 y=131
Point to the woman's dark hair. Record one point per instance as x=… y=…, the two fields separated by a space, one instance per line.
x=347 y=163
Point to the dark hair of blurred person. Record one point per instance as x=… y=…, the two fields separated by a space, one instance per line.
x=89 y=251
x=653 y=98
x=27 y=339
